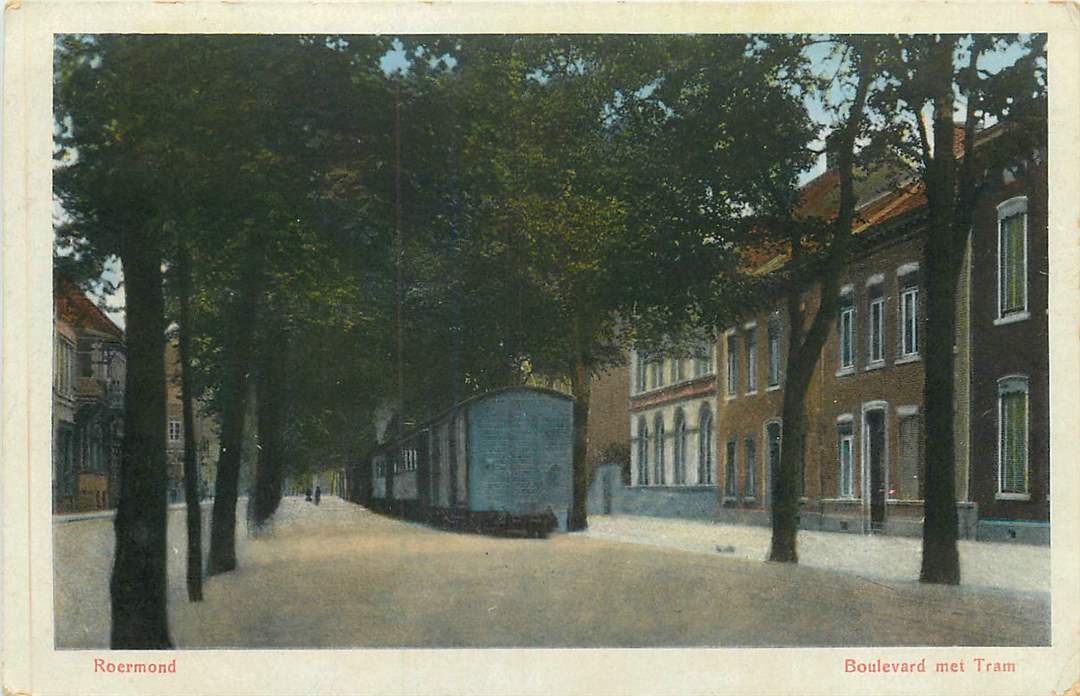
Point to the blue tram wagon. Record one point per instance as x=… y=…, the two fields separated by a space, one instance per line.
x=500 y=462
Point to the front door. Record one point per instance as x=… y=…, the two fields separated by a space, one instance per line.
x=608 y=485
x=875 y=461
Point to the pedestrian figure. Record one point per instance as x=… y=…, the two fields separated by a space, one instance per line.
x=318 y=494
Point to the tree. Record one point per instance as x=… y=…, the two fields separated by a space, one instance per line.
x=583 y=190
x=109 y=163
x=828 y=247
x=940 y=74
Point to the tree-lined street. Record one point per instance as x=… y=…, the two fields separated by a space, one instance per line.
x=339 y=576
x=347 y=235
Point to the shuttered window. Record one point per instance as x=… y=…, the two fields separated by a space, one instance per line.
x=750 y=466
x=730 y=486
x=1013 y=436
x=1012 y=257
x=910 y=456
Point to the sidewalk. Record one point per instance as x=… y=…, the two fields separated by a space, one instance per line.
x=1009 y=567
x=111 y=512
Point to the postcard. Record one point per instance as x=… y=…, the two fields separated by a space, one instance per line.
x=540 y=348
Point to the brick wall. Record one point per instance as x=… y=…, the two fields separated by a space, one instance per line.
x=1003 y=348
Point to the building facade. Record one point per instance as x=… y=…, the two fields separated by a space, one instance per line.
x=706 y=441
x=673 y=449
x=205 y=427
x=1010 y=376
x=89 y=369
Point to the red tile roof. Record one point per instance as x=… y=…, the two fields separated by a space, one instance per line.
x=74 y=307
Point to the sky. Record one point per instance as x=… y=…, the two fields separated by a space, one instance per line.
x=821 y=60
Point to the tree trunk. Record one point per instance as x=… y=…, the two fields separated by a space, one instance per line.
x=191 y=465
x=270 y=398
x=804 y=352
x=580 y=386
x=223 y=526
x=138 y=588
x=942 y=259
x=802 y=358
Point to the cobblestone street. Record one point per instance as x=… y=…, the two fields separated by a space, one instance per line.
x=339 y=576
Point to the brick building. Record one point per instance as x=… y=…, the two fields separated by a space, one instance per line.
x=206 y=432
x=865 y=442
x=1010 y=375
x=88 y=402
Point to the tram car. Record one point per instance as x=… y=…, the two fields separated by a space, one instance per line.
x=498 y=463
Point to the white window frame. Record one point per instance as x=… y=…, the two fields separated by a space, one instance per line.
x=847 y=317
x=175 y=430
x=876 y=331
x=905 y=354
x=1012 y=384
x=750 y=347
x=660 y=465
x=679 y=443
x=846 y=489
x=643 y=451
x=1005 y=210
x=706 y=443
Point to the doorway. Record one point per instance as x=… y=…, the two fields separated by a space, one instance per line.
x=874 y=471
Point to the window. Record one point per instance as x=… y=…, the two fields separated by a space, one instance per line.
x=750 y=464
x=659 y=459
x=703 y=358
x=643 y=452
x=705 y=446
x=703 y=364
x=1012 y=258
x=910 y=453
x=774 y=351
x=676 y=369
x=732 y=364
x=641 y=365
x=845 y=441
x=174 y=430
x=729 y=470
x=751 y=359
x=86 y=363
x=846 y=328
x=1013 y=437
x=680 y=448
x=909 y=311
x=657 y=373
x=875 y=352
